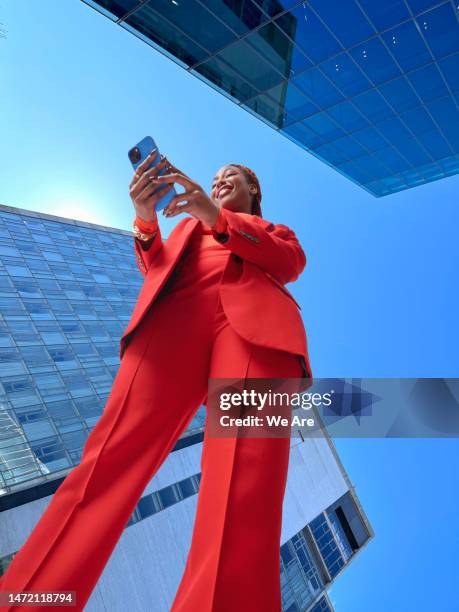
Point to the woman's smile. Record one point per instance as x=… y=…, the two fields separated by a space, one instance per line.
x=224 y=190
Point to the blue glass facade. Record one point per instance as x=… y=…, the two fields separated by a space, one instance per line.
x=67 y=290
x=369 y=87
x=328 y=546
x=323 y=605
x=301 y=581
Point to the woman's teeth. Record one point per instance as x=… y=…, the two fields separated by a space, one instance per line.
x=223 y=191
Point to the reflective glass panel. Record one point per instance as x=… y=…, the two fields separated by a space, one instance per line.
x=375 y=61
x=312 y=37
x=250 y=65
x=440 y=29
x=194 y=20
x=428 y=83
x=344 y=19
x=407 y=46
x=318 y=88
x=155 y=28
x=119 y=8
x=224 y=78
x=385 y=14
x=279 y=50
x=346 y=75
x=240 y=16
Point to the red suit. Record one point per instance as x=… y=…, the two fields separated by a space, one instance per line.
x=211 y=306
x=264 y=257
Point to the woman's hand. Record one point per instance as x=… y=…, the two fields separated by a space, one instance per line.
x=196 y=201
x=142 y=187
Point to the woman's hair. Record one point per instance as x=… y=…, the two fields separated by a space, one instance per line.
x=252 y=179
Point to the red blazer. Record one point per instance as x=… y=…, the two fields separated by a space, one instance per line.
x=263 y=257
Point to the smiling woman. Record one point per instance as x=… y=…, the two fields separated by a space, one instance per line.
x=210 y=308
x=234 y=179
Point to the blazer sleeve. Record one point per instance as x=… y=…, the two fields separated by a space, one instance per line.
x=274 y=248
x=145 y=257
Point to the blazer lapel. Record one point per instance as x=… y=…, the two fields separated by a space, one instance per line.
x=157 y=275
x=173 y=247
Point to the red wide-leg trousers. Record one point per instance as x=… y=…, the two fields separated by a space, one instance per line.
x=233 y=562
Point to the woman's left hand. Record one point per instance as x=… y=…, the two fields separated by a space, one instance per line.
x=196 y=201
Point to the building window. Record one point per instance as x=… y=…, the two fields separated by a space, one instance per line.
x=327 y=544
x=300 y=579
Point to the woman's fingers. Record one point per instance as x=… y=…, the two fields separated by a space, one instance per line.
x=177 y=170
x=146 y=171
x=143 y=166
x=176 y=177
x=153 y=194
x=147 y=176
x=187 y=197
x=180 y=208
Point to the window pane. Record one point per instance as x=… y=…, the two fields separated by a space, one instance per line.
x=440 y=28
x=278 y=50
x=250 y=66
x=194 y=20
x=450 y=69
x=375 y=61
x=399 y=94
x=117 y=7
x=239 y=15
x=407 y=46
x=345 y=20
x=311 y=36
x=385 y=14
x=373 y=106
x=304 y=135
x=346 y=75
x=155 y=28
x=167 y=496
x=226 y=79
x=187 y=487
x=318 y=88
x=347 y=116
x=324 y=126
x=428 y=83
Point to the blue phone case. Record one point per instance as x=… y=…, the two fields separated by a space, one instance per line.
x=145 y=147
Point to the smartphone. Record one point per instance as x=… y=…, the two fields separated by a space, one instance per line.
x=138 y=154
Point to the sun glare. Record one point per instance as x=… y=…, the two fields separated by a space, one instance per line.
x=75 y=211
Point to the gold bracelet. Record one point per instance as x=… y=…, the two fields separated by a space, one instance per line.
x=144 y=237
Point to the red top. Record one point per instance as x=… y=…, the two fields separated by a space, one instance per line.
x=200 y=266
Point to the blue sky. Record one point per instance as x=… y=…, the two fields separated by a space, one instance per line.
x=379 y=294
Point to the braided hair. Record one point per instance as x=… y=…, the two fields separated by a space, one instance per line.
x=252 y=179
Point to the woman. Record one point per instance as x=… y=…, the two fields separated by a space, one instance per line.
x=212 y=305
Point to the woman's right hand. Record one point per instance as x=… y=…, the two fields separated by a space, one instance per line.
x=141 y=189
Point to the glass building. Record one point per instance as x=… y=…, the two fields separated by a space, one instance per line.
x=67 y=290
x=370 y=87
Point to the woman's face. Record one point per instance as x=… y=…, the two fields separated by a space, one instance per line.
x=231 y=190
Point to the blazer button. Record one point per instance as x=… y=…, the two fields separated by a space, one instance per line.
x=237 y=258
x=221 y=237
